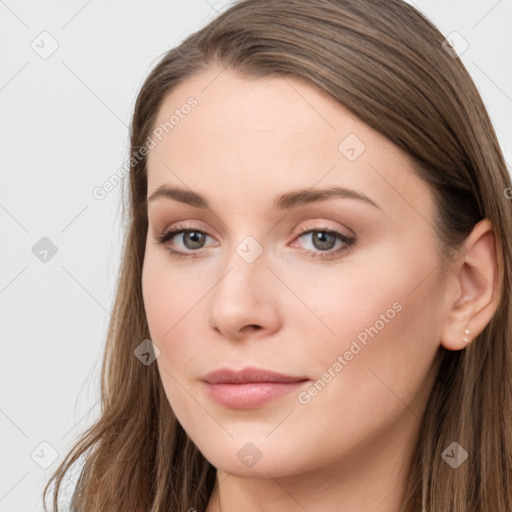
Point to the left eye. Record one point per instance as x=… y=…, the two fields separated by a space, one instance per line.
x=325 y=239
x=193 y=239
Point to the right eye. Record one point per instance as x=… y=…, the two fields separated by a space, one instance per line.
x=192 y=239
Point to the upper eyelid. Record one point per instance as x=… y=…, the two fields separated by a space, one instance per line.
x=178 y=230
x=185 y=226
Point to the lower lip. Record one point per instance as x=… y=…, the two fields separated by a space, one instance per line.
x=250 y=395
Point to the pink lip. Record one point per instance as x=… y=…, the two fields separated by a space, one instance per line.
x=250 y=387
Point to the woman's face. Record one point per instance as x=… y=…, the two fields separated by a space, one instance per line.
x=262 y=282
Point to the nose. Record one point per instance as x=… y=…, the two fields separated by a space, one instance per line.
x=244 y=301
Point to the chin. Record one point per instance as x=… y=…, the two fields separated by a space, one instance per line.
x=257 y=458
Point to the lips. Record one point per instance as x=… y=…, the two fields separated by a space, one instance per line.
x=249 y=375
x=249 y=388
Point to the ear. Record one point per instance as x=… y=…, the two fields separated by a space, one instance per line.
x=477 y=282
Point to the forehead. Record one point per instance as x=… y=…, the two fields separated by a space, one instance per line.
x=273 y=134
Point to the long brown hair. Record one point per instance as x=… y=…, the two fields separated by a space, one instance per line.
x=386 y=63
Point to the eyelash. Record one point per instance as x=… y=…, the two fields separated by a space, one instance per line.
x=168 y=235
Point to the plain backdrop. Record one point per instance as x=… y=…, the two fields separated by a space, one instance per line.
x=69 y=75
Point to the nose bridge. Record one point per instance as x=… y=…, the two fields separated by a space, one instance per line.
x=250 y=250
x=245 y=266
x=243 y=294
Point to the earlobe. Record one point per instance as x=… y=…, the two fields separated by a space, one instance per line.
x=459 y=330
x=477 y=280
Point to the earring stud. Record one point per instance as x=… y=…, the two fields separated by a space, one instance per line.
x=465 y=339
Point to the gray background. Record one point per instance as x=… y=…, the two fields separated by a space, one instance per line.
x=63 y=133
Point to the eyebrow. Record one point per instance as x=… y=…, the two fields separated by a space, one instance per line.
x=284 y=202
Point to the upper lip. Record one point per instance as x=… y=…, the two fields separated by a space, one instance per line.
x=246 y=375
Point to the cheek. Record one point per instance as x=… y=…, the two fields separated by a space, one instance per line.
x=168 y=300
x=158 y=296
x=174 y=303
x=380 y=332
x=167 y=292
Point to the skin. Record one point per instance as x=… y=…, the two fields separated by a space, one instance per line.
x=246 y=142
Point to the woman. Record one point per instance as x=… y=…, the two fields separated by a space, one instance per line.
x=313 y=309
